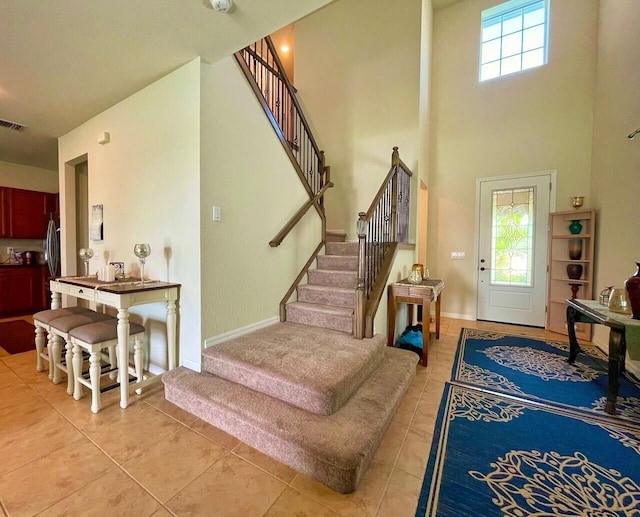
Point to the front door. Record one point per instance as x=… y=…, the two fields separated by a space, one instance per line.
x=512 y=249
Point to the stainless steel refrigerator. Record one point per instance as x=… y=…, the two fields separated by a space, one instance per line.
x=52 y=245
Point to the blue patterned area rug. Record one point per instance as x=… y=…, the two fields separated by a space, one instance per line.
x=495 y=455
x=538 y=370
x=521 y=432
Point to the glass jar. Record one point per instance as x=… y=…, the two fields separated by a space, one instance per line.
x=415 y=277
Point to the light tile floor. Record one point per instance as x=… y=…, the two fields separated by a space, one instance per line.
x=57 y=458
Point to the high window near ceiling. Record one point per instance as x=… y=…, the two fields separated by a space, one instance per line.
x=513 y=37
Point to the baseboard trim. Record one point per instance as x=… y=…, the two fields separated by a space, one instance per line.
x=221 y=338
x=192 y=366
x=467 y=317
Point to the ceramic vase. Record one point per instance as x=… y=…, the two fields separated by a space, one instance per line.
x=574 y=271
x=575 y=227
x=632 y=284
x=575 y=249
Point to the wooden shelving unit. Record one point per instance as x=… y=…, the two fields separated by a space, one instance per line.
x=559 y=287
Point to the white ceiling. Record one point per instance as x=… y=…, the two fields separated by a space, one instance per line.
x=65 y=61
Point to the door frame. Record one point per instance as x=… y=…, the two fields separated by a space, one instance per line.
x=553 y=178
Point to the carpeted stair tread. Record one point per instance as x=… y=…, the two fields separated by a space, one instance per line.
x=338 y=262
x=335 y=449
x=342 y=248
x=333 y=278
x=318 y=315
x=315 y=369
x=335 y=235
x=327 y=295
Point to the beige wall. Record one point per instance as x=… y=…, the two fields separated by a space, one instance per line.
x=29 y=178
x=616 y=159
x=147 y=179
x=247 y=173
x=357 y=68
x=533 y=121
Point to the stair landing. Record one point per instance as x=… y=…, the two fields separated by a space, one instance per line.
x=335 y=449
x=312 y=368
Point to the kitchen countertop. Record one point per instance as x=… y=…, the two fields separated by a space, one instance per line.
x=20 y=265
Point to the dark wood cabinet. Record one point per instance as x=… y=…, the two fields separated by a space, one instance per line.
x=23 y=289
x=4 y=212
x=24 y=214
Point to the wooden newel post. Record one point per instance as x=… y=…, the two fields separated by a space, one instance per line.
x=360 y=292
x=395 y=157
x=395 y=164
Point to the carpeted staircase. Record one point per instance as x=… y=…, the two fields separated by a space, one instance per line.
x=328 y=299
x=315 y=399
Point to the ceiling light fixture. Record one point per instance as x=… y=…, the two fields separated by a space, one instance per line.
x=284 y=48
x=223 y=6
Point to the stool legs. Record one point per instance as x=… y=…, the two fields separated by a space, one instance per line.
x=71 y=371
x=94 y=373
x=50 y=354
x=55 y=358
x=113 y=361
x=77 y=367
x=137 y=360
x=39 y=348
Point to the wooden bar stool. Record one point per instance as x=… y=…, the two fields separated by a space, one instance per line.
x=95 y=337
x=42 y=321
x=59 y=329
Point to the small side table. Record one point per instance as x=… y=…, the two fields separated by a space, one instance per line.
x=424 y=293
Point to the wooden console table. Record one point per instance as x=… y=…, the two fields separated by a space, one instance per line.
x=624 y=334
x=424 y=293
x=122 y=294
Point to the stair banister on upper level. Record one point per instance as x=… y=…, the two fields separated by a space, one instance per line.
x=264 y=71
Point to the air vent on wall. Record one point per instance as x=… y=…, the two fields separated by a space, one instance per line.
x=11 y=125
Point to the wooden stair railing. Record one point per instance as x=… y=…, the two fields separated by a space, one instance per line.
x=277 y=240
x=264 y=71
x=380 y=230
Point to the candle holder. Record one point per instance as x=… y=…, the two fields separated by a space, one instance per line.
x=142 y=251
x=85 y=255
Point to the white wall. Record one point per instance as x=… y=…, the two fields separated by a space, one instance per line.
x=537 y=120
x=616 y=159
x=247 y=173
x=147 y=179
x=357 y=68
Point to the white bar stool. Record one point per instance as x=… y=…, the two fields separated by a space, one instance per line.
x=60 y=328
x=94 y=337
x=42 y=321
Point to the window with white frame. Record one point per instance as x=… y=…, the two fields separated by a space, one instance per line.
x=513 y=37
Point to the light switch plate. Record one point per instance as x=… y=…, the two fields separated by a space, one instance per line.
x=217 y=214
x=457 y=255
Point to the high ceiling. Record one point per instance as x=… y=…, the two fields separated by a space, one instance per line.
x=65 y=61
